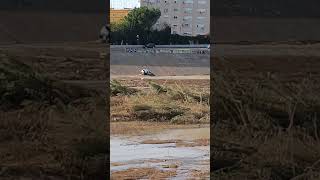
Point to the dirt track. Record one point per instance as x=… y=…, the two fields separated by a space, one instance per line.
x=190 y=77
x=160 y=63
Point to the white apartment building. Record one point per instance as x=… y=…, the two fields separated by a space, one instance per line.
x=185 y=17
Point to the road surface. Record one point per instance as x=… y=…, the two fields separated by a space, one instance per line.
x=162 y=61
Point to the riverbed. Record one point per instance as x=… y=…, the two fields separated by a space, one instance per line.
x=166 y=150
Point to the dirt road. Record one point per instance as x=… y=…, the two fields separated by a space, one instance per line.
x=188 y=77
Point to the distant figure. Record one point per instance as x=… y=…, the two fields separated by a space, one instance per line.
x=146 y=72
x=104 y=34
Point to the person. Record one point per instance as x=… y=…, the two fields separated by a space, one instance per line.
x=146 y=72
x=104 y=34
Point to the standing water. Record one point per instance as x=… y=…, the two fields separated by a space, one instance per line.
x=132 y=152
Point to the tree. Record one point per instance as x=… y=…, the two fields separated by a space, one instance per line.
x=139 y=21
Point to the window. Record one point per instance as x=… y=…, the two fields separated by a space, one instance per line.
x=187 y=18
x=186 y=25
x=202 y=11
x=187 y=10
x=188 y=2
x=200 y=25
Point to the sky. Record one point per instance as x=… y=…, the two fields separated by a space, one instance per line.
x=120 y=4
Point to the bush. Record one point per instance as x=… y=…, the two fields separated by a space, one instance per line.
x=118 y=89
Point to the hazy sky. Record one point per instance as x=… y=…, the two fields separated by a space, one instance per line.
x=120 y=4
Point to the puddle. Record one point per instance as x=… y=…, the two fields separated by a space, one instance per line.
x=130 y=153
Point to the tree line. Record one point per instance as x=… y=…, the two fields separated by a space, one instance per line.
x=138 y=28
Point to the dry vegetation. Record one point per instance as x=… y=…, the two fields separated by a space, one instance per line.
x=265 y=124
x=49 y=129
x=160 y=103
x=142 y=173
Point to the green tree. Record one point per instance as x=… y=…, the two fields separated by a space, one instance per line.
x=139 y=21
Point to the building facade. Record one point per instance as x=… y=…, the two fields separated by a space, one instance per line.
x=117 y=15
x=185 y=17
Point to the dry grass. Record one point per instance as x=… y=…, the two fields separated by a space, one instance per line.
x=265 y=126
x=175 y=104
x=142 y=173
x=49 y=128
x=193 y=143
x=117 y=164
x=200 y=174
x=49 y=141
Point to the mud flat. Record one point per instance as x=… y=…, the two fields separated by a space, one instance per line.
x=167 y=151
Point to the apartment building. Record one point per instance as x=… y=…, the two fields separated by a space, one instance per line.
x=185 y=17
x=116 y=15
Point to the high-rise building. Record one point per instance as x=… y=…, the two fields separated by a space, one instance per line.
x=185 y=17
x=116 y=15
x=121 y=4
